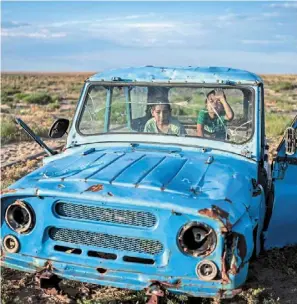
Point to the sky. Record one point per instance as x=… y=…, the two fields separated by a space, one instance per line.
x=74 y=36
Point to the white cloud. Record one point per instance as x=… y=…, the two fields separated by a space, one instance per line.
x=272 y=14
x=263 y=42
x=43 y=34
x=292 y=4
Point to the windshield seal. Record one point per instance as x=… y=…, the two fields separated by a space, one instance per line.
x=89 y=85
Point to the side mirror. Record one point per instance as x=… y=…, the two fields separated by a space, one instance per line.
x=290 y=141
x=59 y=128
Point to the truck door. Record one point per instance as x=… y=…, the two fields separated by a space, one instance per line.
x=282 y=212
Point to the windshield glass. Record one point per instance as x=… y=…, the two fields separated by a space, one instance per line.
x=224 y=114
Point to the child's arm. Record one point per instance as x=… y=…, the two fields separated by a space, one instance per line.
x=228 y=110
x=200 y=132
x=200 y=123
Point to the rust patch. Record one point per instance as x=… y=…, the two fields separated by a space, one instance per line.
x=225 y=278
x=4 y=191
x=95 y=188
x=48 y=265
x=233 y=269
x=109 y=193
x=176 y=284
x=218 y=214
x=162 y=188
x=221 y=294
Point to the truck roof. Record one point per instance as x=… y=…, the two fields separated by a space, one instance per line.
x=207 y=75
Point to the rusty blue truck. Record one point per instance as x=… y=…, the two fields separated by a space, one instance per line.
x=164 y=184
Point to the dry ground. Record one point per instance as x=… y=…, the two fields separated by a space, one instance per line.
x=272 y=277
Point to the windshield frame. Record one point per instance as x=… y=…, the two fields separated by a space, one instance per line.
x=89 y=85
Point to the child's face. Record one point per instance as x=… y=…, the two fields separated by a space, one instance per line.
x=213 y=102
x=161 y=114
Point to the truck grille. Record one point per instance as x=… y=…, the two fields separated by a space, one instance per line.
x=106 y=240
x=111 y=215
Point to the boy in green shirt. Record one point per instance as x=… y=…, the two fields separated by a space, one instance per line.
x=212 y=120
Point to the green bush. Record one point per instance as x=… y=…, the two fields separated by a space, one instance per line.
x=5 y=98
x=54 y=106
x=11 y=91
x=39 y=98
x=284 y=86
x=276 y=124
x=11 y=132
x=20 y=96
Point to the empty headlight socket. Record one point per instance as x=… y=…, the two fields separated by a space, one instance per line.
x=20 y=217
x=197 y=239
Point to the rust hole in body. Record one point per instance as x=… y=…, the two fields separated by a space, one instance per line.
x=102 y=270
x=95 y=188
x=241 y=246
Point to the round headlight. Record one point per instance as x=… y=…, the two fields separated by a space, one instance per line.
x=197 y=239
x=207 y=270
x=20 y=217
x=11 y=244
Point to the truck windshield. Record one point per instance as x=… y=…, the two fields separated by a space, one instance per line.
x=224 y=114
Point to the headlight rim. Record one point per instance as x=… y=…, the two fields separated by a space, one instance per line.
x=16 y=227
x=195 y=253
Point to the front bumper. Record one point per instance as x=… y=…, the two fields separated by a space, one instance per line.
x=125 y=279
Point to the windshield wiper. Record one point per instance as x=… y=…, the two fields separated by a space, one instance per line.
x=36 y=138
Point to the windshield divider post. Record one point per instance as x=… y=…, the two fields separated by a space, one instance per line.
x=128 y=107
x=108 y=107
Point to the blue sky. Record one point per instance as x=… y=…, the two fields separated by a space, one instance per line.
x=92 y=36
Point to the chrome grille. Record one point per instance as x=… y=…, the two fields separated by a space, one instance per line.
x=106 y=240
x=110 y=215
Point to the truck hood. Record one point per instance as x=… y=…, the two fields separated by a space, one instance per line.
x=192 y=179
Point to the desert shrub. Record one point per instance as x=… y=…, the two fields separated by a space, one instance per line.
x=11 y=132
x=54 y=106
x=276 y=124
x=283 y=86
x=11 y=91
x=20 y=96
x=39 y=98
x=5 y=98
